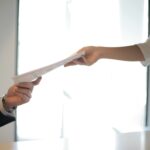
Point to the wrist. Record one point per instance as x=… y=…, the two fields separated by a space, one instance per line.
x=106 y=52
x=6 y=106
x=100 y=52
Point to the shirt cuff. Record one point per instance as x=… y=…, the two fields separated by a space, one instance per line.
x=146 y=62
x=3 y=111
x=145 y=49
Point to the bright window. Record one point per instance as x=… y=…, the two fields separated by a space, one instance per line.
x=109 y=94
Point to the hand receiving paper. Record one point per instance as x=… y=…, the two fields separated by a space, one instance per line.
x=20 y=93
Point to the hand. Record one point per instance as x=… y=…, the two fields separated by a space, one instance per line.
x=92 y=54
x=20 y=93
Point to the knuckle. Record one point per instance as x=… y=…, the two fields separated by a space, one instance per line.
x=24 y=99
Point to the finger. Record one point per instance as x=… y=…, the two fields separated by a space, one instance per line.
x=85 y=61
x=23 y=98
x=25 y=85
x=14 y=89
x=29 y=85
x=37 y=81
x=79 y=61
x=22 y=91
x=69 y=64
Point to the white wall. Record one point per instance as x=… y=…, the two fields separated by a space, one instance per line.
x=134 y=9
x=8 y=36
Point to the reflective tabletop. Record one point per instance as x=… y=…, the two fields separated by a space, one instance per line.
x=137 y=140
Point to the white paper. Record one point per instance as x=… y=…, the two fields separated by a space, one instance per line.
x=31 y=75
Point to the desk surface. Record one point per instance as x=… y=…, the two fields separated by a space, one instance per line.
x=120 y=141
x=32 y=145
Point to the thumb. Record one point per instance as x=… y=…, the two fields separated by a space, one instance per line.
x=37 y=81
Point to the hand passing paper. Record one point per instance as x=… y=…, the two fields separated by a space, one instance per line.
x=31 y=75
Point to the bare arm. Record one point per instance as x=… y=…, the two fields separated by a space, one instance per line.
x=128 y=53
x=93 y=54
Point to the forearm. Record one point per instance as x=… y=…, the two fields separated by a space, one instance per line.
x=127 y=53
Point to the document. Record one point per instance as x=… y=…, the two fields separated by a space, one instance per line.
x=31 y=75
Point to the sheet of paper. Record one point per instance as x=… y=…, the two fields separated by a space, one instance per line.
x=31 y=75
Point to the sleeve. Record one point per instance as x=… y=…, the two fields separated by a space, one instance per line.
x=145 y=49
x=5 y=117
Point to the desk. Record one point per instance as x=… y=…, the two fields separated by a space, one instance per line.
x=121 y=141
x=32 y=145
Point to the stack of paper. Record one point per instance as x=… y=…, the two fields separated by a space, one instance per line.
x=31 y=75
